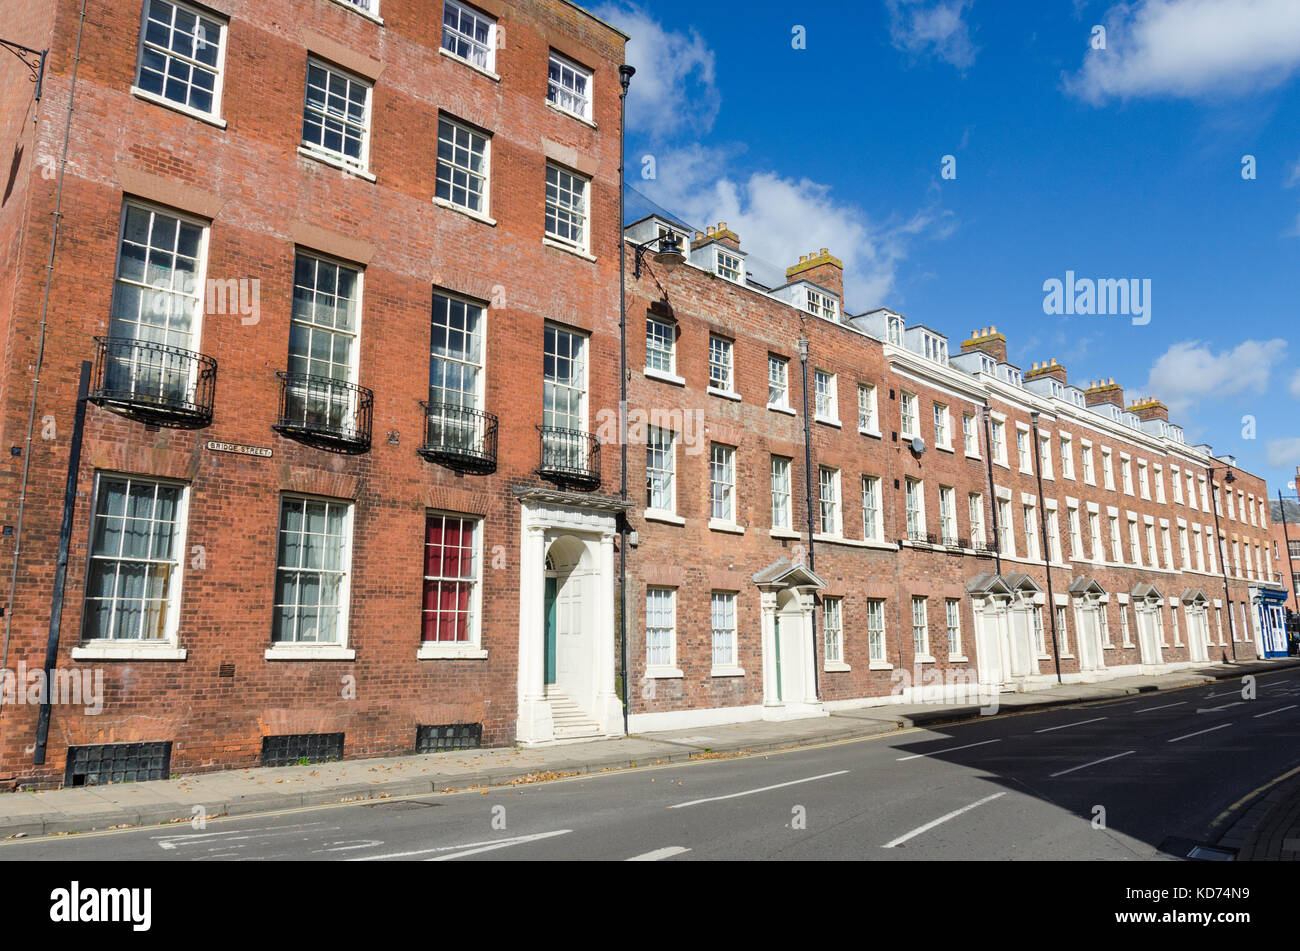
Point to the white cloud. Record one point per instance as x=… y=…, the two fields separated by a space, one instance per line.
x=674 y=88
x=1294 y=388
x=778 y=218
x=1191 y=48
x=1293 y=179
x=1189 y=371
x=921 y=27
x=1284 y=453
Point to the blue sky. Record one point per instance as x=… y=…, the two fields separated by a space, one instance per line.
x=1122 y=162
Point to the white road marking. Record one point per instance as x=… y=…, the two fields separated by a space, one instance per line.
x=1066 y=726
x=752 y=792
x=203 y=838
x=1165 y=707
x=940 y=821
x=1198 y=733
x=1278 y=710
x=469 y=848
x=1093 y=763
x=350 y=845
x=664 y=853
x=1235 y=703
x=951 y=749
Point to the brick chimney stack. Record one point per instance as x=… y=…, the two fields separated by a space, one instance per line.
x=822 y=268
x=1104 y=391
x=1052 y=369
x=989 y=340
x=1150 y=408
x=721 y=234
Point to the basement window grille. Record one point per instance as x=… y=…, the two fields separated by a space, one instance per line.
x=449 y=736
x=295 y=749
x=117 y=763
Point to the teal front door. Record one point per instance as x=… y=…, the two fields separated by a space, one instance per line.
x=552 y=587
x=776 y=628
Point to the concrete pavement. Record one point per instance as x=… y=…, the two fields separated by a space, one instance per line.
x=244 y=792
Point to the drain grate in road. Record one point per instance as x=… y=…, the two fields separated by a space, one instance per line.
x=402 y=805
x=1196 y=851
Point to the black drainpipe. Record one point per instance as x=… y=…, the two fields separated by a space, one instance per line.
x=625 y=74
x=808 y=484
x=1047 y=552
x=61 y=565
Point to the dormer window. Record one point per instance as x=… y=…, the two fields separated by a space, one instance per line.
x=729 y=267
x=936 y=348
x=896 y=331
x=821 y=305
x=1057 y=389
x=986 y=365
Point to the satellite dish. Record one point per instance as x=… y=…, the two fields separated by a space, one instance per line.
x=918 y=445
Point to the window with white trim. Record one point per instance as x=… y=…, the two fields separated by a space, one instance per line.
x=876 y=630
x=1160 y=483
x=311 y=574
x=157 y=297
x=1144 y=482
x=871 y=528
x=1061 y=632
x=1107 y=469
x=661 y=470
x=915 y=508
x=566 y=207
x=453 y=571
x=469 y=34
x=1094 y=535
x=336 y=115
x=463 y=164
x=721 y=368
x=1116 y=547
x=1184 y=548
x=920 y=629
x=1126 y=475
x=660 y=627
x=1005 y=528
x=181 y=56
x=821 y=305
x=1076 y=533
x=1176 y=483
x=728 y=266
x=723 y=616
x=568 y=86
x=952 y=610
x=778 y=381
x=970 y=434
x=833 y=628
x=1153 y=557
x=1022 y=449
x=781 y=512
x=867 y=411
x=1040 y=636
x=133 y=581
x=722 y=483
x=1135 y=548
x=1045 y=455
x=941 y=426
x=999 y=439
x=1166 y=546
x=455 y=372
x=828 y=483
x=1053 y=537
x=827 y=401
x=660 y=345
x=1089 y=476
x=1067 y=457
x=975 y=506
x=947 y=515
x=1030 y=521
x=908 y=423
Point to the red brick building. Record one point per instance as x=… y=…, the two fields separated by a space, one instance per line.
x=851 y=538
x=347 y=274
x=1284 y=514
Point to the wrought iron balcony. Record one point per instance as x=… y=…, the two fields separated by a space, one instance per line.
x=325 y=413
x=153 y=382
x=570 y=456
x=459 y=437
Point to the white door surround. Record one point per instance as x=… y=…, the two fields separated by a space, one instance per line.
x=577 y=533
x=1148 y=606
x=789 y=653
x=1003 y=607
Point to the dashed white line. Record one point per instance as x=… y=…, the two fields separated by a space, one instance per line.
x=951 y=749
x=1198 y=733
x=1278 y=710
x=658 y=854
x=1093 y=763
x=892 y=843
x=1165 y=707
x=1235 y=703
x=469 y=848
x=1066 y=726
x=751 y=792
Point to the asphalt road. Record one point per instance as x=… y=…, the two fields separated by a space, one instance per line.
x=1100 y=781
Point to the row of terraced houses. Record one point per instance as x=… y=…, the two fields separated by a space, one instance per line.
x=311 y=388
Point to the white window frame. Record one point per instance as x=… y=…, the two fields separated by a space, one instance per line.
x=975 y=514
x=970 y=434
x=952 y=615
x=722 y=357
x=488 y=48
x=281 y=648
x=668 y=669
x=877 y=649
x=339 y=157
x=722 y=460
x=833 y=633
x=655 y=443
x=485 y=176
x=778 y=379
x=872 y=527
x=1024 y=449
x=830 y=508
x=728 y=266
x=728 y=663
x=782 y=495
x=652 y=322
x=1067 y=455
x=566 y=180
x=472 y=646
x=921 y=630
x=999 y=438
x=947 y=515
x=868 y=410
x=568 y=65
x=826 y=401
x=212 y=115
x=914 y=508
x=908 y=424
x=942 y=426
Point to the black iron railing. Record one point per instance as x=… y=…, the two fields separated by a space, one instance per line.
x=154 y=382
x=916 y=534
x=459 y=437
x=570 y=455
x=325 y=413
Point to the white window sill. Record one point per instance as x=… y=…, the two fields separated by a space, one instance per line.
x=826 y=420
x=879 y=665
x=1108 y=647
x=663 y=673
x=1001 y=465
x=474 y=66
x=780 y=409
x=853 y=542
x=836 y=667
x=725 y=394
x=450 y=652
x=717 y=525
x=357 y=10
x=878 y=543
x=568 y=248
x=874 y=433
x=958 y=658
x=158 y=100
x=924 y=659
x=972 y=455
x=785 y=533
x=326 y=159
x=108 y=651
x=660 y=515
x=1044 y=657
x=572 y=115
x=727 y=671
x=945 y=448
x=1067 y=657
x=673 y=378
x=467 y=212
x=310 y=652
